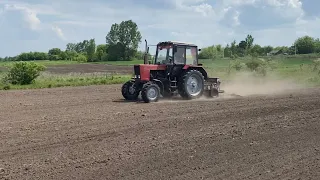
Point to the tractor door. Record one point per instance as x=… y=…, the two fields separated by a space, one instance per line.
x=179 y=54
x=191 y=55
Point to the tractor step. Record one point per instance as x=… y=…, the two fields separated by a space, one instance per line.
x=173 y=84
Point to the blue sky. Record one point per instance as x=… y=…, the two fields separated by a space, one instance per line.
x=38 y=25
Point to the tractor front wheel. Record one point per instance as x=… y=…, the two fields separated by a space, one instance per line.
x=150 y=92
x=129 y=91
x=191 y=85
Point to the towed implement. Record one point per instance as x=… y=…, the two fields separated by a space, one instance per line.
x=175 y=70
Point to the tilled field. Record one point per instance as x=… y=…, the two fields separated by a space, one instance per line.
x=89 y=133
x=89 y=68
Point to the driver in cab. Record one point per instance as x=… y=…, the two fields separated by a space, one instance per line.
x=179 y=56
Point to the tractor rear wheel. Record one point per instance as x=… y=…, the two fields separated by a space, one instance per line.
x=191 y=84
x=150 y=92
x=129 y=91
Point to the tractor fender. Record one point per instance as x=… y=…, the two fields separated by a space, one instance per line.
x=199 y=68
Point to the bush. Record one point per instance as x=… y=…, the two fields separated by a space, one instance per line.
x=316 y=64
x=237 y=65
x=261 y=70
x=23 y=73
x=80 y=58
x=254 y=64
x=272 y=65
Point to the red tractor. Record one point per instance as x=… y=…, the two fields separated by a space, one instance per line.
x=175 y=70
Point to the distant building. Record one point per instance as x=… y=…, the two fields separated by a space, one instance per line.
x=274 y=52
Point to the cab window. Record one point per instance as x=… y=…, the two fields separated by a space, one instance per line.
x=179 y=56
x=191 y=55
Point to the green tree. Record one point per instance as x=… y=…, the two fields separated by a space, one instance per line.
x=123 y=39
x=54 y=54
x=71 y=47
x=70 y=54
x=101 y=52
x=219 y=50
x=80 y=58
x=54 y=51
x=208 y=52
x=40 y=56
x=305 y=45
x=317 y=45
x=257 y=49
x=267 y=49
x=79 y=47
x=233 y=48
x=82 y=47
x=241 y=48
x=90 y=50
x=227 y=51
x=31 y=56
x=249 y=43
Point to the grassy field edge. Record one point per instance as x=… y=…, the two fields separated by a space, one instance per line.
x=302 y=71
x=51 y=81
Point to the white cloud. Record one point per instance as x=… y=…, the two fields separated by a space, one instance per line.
x=59 y=32
x=239 y=2
x=197 y=6
x=198 y=21
x=236 y=18
x=29 y=16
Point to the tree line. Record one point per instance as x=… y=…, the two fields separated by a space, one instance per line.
x=302 y=45
x=122 y=40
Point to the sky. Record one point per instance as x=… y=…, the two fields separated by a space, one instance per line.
x=39 y=25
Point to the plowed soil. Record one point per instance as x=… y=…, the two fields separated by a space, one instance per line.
x=90 y=133
x=89 y=68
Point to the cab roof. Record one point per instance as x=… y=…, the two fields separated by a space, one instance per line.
x=177 y=43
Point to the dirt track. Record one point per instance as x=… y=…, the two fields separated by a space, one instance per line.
x=83 y=133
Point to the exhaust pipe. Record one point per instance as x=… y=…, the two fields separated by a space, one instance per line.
x=146 y=53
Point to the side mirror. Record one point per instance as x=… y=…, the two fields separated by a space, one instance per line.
x=199 y=50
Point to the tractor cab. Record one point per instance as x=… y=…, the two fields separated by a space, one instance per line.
x=176 y=53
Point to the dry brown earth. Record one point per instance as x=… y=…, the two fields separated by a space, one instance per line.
x=89 y=133
x=89 y=68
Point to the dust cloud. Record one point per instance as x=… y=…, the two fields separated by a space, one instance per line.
x=247 y=84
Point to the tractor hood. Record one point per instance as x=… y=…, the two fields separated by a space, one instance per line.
x=142 y=71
